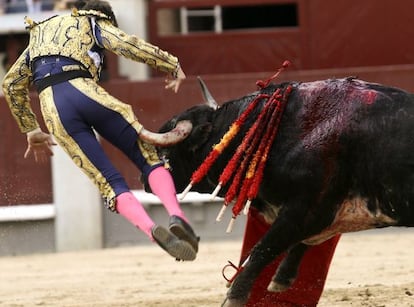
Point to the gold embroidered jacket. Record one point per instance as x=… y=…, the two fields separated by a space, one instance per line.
x=74 y=36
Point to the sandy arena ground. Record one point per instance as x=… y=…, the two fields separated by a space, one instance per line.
x=369 y=269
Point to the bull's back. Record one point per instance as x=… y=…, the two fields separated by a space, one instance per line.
x=364 y=135
x=348 y=138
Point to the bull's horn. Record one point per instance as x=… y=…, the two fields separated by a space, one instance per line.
x=179 y=133
x=208 y=98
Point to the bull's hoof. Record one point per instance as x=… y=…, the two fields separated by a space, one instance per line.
x=277 y=287
x=233 y=303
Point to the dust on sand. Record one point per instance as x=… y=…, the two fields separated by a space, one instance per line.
x=373 y=268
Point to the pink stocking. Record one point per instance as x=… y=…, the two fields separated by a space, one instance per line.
x=162 y=185
x=129 y=207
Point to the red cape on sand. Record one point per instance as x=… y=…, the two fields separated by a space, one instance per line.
x=307 y=288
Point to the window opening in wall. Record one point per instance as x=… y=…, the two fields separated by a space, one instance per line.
x=201 y=19
x=259 y=16
x=218 y=18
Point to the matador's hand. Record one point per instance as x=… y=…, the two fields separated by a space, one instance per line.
x=40 y=144
x=175 y=83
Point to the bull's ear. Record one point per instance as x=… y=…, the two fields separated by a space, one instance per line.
x=199 y=135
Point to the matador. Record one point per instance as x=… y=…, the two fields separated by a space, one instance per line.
x=63 y=61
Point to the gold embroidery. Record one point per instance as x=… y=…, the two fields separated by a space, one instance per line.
x=131 y=47
x=149 y=152
x=54 y=125
x=66 y=36
x=98 y=94
x=16 y=91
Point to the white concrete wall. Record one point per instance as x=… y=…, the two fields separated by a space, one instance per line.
x=78 y=221
x=132 y=18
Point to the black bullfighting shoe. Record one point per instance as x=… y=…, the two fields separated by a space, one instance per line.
x=179 y=249
x=183 y=231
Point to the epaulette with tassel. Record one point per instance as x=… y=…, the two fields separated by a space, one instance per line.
x=29 y=22
x=76 y=13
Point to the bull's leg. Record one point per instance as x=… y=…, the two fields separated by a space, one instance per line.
x=279 y=238
x=288 y=269
x=291 y=227
x=285 y=275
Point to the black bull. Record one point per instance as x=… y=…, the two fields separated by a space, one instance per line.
x=342 y=161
